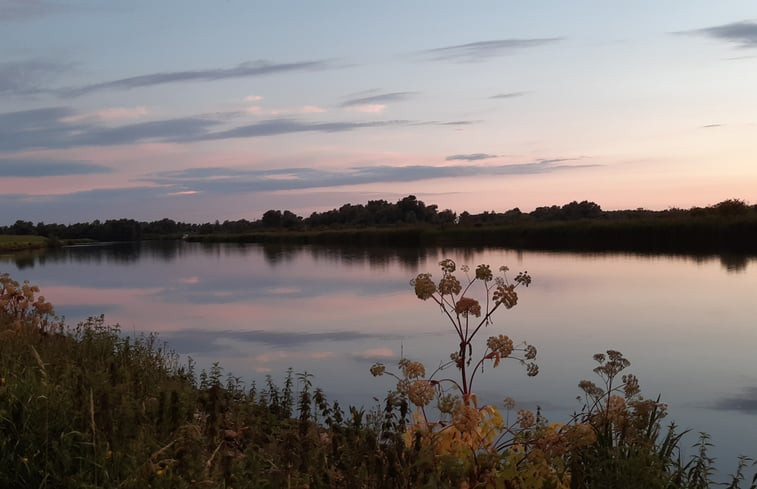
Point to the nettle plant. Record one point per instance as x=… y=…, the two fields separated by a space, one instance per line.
x=469 y=307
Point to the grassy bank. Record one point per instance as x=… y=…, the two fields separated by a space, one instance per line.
x=685 y=234
x=10 y=243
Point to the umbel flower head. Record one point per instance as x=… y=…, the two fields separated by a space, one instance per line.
x=468 y=307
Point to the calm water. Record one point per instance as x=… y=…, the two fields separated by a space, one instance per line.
x=688 y=324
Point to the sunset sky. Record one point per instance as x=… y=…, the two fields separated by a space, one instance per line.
x=200 y=111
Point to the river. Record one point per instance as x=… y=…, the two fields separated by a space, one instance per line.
x=688 y=324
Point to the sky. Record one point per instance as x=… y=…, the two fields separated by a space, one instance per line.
x=198 y=111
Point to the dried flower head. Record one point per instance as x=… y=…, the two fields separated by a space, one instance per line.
x=448 y=265
x=501 y=345
x=412 y=370
x=630 y=385
x=378 y=369
x=449 y=285
x=468 y=307
x=523 y=278
x=483 y=272
x=506 y=295
x=420 y=392
x=532 y=370
x=424 y=286
x=526 y=418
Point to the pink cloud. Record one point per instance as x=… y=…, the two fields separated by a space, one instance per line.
x=313 y=109
x=110 y=114
x=253 y=98
x=305 y=109
x=374 y=353
x=368 y=108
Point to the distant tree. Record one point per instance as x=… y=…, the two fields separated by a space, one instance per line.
x=23 y=227
x=731 y=207
x=272 y=219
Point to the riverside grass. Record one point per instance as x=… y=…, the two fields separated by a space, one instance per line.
x=88 y=407
x=11 y=243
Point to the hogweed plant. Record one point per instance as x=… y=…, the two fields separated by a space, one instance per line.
x=469 y=437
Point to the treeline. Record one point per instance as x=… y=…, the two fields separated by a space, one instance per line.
x=406 y=212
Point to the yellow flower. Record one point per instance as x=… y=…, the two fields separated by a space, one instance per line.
x=25 y=460
x=2 y=380
x=160 y=472
x=109 y=455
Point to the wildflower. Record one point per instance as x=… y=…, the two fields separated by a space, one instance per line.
x=467 y=306
x=424 y=286
x=501 y=344
x=506 y=295
x=509 y=403
x=420 y=392
x=532 y=370
x=25 y=460
x=448 y=266
x=160 y=472
x=530 y=352
x=412 y=370
x=378 y=369
x=109 y=455
x=483 y=272
x=630 y=385
x=526 y=419
x=2 y=380
x=590 y=388
x=449 y=285
x=523 y=278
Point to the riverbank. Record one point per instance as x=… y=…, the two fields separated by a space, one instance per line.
x=711 y=234
x=12 y=243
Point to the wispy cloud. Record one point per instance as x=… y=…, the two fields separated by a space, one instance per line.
x=29 y=77
x=109 y=114
x=62 y=127
x=242 y=70
x=710 y=126
x=743 y=34
x=483 y=50
x=225 y=180
x=305 y=109
x=382 y=99
x=508 y=95
x=36 y=168
x=470 y=157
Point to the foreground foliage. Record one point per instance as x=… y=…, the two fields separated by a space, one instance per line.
x=88 y=407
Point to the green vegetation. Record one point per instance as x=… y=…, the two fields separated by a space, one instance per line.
x=88 y=407
x=11 y=242
x=728 y=226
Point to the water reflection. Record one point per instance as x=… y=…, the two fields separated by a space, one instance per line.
x=686 y=322
x=746 y=402
x=378 y=257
